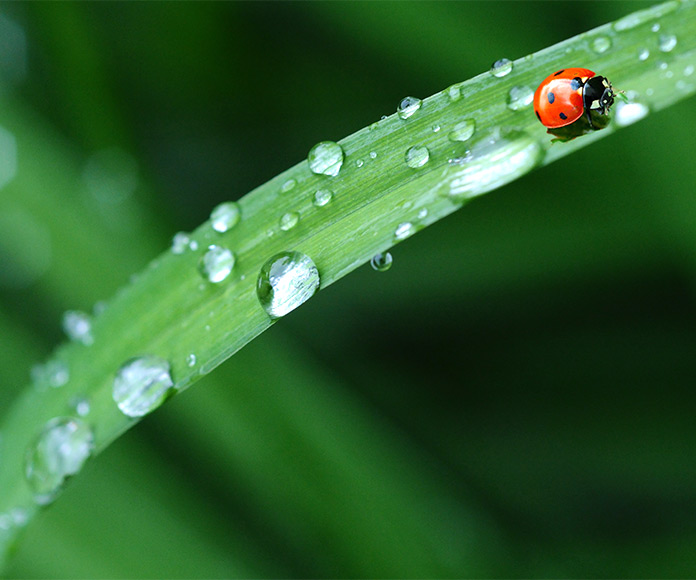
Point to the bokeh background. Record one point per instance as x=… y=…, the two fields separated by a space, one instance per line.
x=514 y=398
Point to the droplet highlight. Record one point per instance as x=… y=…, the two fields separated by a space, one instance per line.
x=141 y=385
x=286 y=281
x=403 y=231
x=326 y=158
x=59 y=452
x=216 y=264
x=77 y=326
x=225 y=216
x=667 y=42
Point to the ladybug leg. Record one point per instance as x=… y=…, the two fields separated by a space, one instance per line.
x=589 y=117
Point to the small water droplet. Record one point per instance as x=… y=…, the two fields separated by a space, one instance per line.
x=141 y=385
x=454 y=92
x=180 y=242
x=644 y=54
x=422 y=214
x=688 y=70
x=601 y=44
x=225 y=216
x=59 y=451
x=359 y=163
x=436 y=128
x=289 y=220
x=286 y=281
x=519 y=98
x=417 y=156
x=216 y=264
x=289 y=185
x=78 y=326
x=80 y=405
x=322 y=197
x=326 y=158
x=667 y=42
x=462 y=131
x=408 y=107
x=191 y=360
x=381 y=262
x=403 y=231
x=54 y=373
x=373 y=154
x=501 y=68
x=629 y=113
x=655 y=27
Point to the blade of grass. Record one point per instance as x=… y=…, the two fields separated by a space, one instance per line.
x=170 y=311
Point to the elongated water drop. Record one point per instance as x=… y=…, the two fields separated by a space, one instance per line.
x=326 y=158
x=286 y=281
x=59 y=451
x=501 y=68
x=141 y=385
x=216 y=264
x=225 y=216
x=408 y=107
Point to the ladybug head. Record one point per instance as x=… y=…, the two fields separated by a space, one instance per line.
x=598 y=95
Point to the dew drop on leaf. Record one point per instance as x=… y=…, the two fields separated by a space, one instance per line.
x=286 y=281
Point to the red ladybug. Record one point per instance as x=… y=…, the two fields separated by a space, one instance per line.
x=564 y=96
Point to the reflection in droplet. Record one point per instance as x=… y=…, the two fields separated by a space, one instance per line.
x=141 y=385
x=286 y=281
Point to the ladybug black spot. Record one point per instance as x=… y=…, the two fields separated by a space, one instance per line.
x=558 y=72
x=551 y=97
x=563 y=116
x=575 y=84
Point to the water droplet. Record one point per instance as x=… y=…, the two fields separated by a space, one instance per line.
x=141 y=385
x=417 y=156
x=373 y=154
x=643 y=54
x=422 y=214
x=436 y=128
x=403 y=231
x=326 y=158
x=225 y=216
x=289 y=185
x=381 y=262
x=655 y=27
x=59 y=451
x=629 y=113
x=601 y=44
x=519 y=98
x=78 y=326
x=454 y=92
x=180 y=242
x=80 y=405
x=322 y=197
x=667 y=42
x=359 y=163
x=54 y=373
x=501 y=67
x=463 y=130
x=408 y=107
x=492 y=162
x=289 y=220
x=688 y=70
x=216 y=264
x=191 y=360
x=286 y=281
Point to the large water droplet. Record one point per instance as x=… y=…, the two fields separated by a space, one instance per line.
x=216 y=264
x=322 y=197
x=142 y=384
x=225 y=216
x=60 y=451
x=667 y=42
x=417 y=156
x=286 y=281
x=491 y=163
x=629 y=113
x=78 y=326
x=326 y=158
x=501 y=68
x=381 y=262
x=462 y=131
x=519 y=98
x=408 y=107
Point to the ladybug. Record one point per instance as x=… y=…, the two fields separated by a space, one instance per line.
x=565 y=95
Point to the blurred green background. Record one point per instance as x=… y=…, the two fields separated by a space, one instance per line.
x=514 y=398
